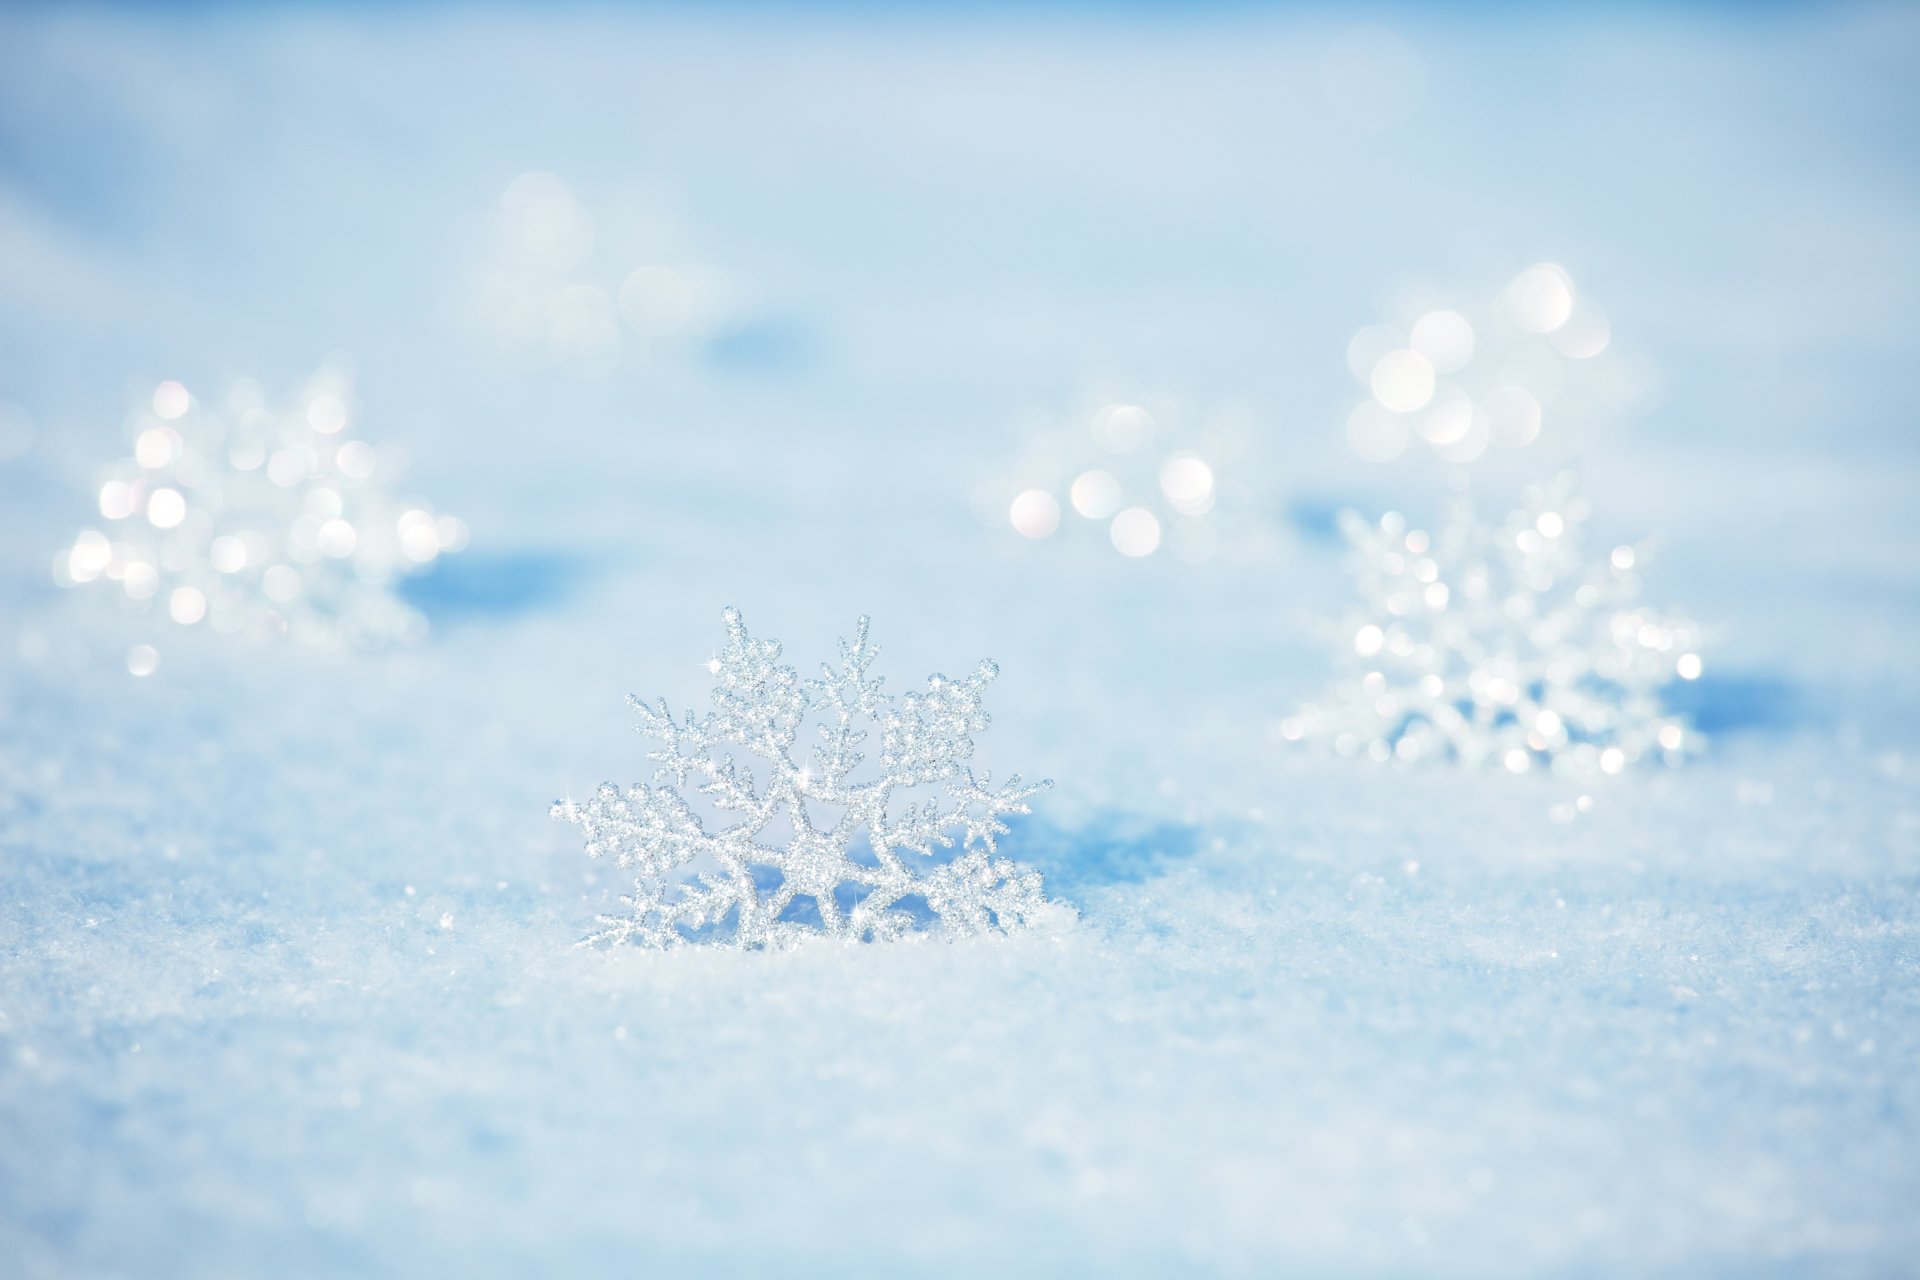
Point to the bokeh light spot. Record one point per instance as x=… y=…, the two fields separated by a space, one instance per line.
x=228 y=554
x=1585 y=334
x=281 y=583
x=1034 y=513
x=337 y=539
x=1513 y=416
x=170 y=400
x=287 y=467
x=355 y=459
x=326 y=413
x=1121 y=427
x=1449 y=419
x=140 y=580
x=1469 y=445
x=1135 y=532
x=90 y=555
x=1445 y=338
x=1187 y=482
x=1095 y=494
x=419 y=540
x=452 y=533
x=1402 y=381
x=116 y=500
x=1370 y=345
x=1540 y=299
x=186 y=605
x=157 y=447
x=166 y=508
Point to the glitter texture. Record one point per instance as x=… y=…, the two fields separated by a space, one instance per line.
x=1504 y=647
x=750 y=882
x=260 y=522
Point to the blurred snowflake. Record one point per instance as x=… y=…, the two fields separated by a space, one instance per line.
x=1142 y=476
x=777 y=870
x=1461 y=383
x=554 y=286
x=1502 y=646
x=257 y=521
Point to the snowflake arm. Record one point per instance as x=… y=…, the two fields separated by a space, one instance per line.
x=645 y=828
x=853 y=696
x=977 y=892
x=985 y=827
x=759 y=703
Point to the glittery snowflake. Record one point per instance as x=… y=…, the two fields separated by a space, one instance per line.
x=1495 y=375
x=827 y=846
x=556 y=286
x=1140 y=476
x=1503 y=646
x=259 y=521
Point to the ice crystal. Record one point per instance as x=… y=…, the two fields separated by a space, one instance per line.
x=825 y=846
x=1503 y=646
x=252 y=520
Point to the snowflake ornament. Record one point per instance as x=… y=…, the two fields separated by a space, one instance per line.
x=811 y=842
x=1146 y=478
x=258 y=521
x=1504 y=647
x=555 y=286
x=1460 y=381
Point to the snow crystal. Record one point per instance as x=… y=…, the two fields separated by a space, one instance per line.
x=1504 y=647
x=753 y=878
x=1495 y=375
x=250 y=520
x=1147 y=476
x=557 y=283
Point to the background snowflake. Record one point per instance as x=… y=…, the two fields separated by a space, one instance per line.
x=1464 y=379
x=260 y=521
x=776 y=868
x=1143 y=475
x=1504 y=646
x=555 y=286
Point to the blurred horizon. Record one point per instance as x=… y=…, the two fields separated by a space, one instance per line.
x=926 y=242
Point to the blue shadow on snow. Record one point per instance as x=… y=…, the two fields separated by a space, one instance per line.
x=1111 y=851
x=480 y=586
x=768 y=346
x=1734 y=704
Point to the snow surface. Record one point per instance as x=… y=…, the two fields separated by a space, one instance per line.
x=286 y=976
